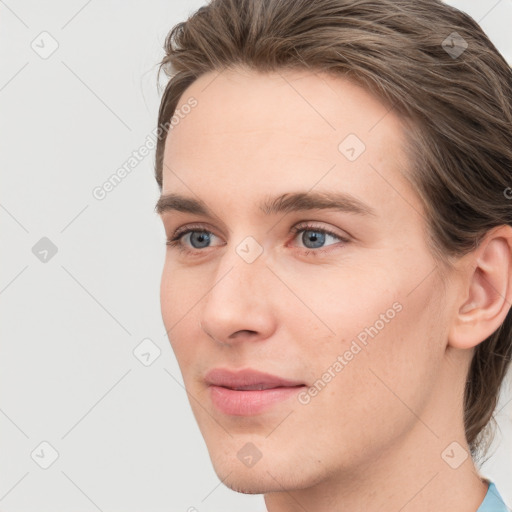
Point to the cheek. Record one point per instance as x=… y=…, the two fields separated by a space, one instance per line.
x=167 y=296
x=361 y=400
x=180 y=290
x=178 y=294
x=339 y=303
x=384 y=321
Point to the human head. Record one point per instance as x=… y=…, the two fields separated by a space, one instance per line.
x=454 y=114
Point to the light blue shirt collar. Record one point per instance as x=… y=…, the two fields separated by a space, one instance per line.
x=493 y=502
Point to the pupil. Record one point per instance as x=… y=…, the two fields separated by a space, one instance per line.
x=200 y=237
x=314 y=237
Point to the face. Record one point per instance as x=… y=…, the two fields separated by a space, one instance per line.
x=340 y=303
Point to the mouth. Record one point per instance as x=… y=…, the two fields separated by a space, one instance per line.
x=248 y=392
x=247 y=379
x=258 y=387
x=250 y=402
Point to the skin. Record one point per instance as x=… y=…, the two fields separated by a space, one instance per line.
x=372 y=439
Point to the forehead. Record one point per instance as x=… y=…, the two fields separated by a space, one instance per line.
x=252 y=131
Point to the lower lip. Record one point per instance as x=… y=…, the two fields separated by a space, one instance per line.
x=246 y=403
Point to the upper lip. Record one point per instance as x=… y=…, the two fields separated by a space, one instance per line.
x=247 y=379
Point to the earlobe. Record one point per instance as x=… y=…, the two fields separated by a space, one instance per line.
x=488 y=291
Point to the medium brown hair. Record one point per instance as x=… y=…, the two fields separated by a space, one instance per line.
x=458 y=108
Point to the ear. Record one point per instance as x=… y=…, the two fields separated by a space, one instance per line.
x=488 y=290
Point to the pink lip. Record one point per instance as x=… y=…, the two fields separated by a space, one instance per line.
x=244 y=402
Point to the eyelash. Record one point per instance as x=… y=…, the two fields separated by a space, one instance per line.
x=178 y=234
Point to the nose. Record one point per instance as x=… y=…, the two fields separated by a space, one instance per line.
x=239 y=305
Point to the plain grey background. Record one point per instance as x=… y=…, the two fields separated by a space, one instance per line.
x=79 y=278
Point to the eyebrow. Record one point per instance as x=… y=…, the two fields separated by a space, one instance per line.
x=272 y=205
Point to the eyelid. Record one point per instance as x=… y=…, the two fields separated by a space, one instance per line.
x=297 y=227
x=310 y=226
x=190 y=227
x=174 y=240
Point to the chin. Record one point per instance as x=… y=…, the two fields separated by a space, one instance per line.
x=248 y=481
x=270 y=475
x=235 y=475
x=246 y=486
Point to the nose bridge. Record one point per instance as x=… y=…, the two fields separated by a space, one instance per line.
x=239 y=275
x=238 y=298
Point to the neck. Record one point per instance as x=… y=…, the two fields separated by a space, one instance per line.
x=413 y=482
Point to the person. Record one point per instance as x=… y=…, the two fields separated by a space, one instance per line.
x=336 y=194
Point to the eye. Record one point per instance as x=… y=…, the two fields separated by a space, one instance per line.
x=314 y=237
x=199 y=238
